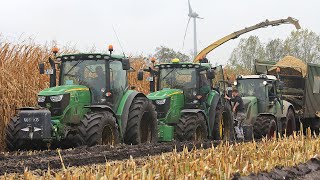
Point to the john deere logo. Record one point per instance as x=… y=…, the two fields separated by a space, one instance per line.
x=48 y=105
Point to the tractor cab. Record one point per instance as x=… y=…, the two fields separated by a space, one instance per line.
x=187 y=105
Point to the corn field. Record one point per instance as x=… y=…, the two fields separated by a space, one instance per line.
x=20 y=80
x=219 y=162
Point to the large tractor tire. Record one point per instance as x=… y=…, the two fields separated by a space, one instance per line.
x=289 y=125
x=99 y=128
x=264 y=126
x=223 y=128
x=191 y=127
x=142 y=122
x=13 y=139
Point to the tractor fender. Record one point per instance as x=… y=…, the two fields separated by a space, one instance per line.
x=286 y=107
x=126 y=108
x=213 y=112
x=101 y=108
x=195 y=111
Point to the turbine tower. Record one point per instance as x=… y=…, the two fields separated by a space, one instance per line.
x=195 y=16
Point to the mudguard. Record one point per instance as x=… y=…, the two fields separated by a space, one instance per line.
x=101 y=107
x=126 y=108
x=286 y=107
x=213 y=112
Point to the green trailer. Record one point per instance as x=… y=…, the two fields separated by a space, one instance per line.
x=91 y=105
x=187 y=105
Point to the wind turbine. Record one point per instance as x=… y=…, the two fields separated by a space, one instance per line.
x=195 y=16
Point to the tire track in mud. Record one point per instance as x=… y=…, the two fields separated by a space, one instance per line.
x=16 y=162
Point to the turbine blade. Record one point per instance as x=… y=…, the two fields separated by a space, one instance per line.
x=190 y=9
x=185 y=33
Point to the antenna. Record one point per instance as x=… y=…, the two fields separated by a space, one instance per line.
x=118 y=40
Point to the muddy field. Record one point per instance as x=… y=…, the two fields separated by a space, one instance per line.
x=16 y=162
x=309 y=170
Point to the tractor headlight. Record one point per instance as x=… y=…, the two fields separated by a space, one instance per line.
x=265 y=83
x=160 y=101
x=235 y=83
x=56 y=98
x=41 y=99
x=195 y=101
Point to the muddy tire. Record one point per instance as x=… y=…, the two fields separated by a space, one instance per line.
x=223 y=128
x=99 y=128
x=142 y=122
x=264 y=126
x=289 y=125
x=191 y=127
x=13 y=139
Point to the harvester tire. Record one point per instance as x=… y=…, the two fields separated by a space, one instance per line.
x=289 y=124
x=264 y=126
x=13 y=140
x=142 y=122
x=99 y=128
x=223 y=128
x=191 y=127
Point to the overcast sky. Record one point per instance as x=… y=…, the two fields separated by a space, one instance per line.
x=143 y=25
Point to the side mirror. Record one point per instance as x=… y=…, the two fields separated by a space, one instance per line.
x=41 y=68
x=210 y=74
x=126 y=64
x=281 y=85
x=140 y=75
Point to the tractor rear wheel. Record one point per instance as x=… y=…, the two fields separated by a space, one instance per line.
x=99 y=128
x=142 y=122
x=13 y=139
x=289 y=125
x=191 y=127
x=264 y=126
x=223 y=123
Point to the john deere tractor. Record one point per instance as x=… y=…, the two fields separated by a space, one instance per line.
x=91 y=105
x=188 y=108
x=267 y=114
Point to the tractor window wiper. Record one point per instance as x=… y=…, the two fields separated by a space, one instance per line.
x=168 y=74
x=67 y=73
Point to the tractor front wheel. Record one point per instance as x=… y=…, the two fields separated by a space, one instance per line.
x=13 y=139
x=265 y=126
x=191 y=127
x=142 y=122
x=289 y=125
x=223 y=123
x=99 y=128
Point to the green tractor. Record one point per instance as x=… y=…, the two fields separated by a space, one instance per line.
x=92 y=105
x=187 y=105
x=267 y=114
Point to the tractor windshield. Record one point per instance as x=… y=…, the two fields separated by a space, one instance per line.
x=177 y=78
x=251 y=87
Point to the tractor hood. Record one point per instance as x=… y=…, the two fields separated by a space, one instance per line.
x=164 y=93
x=62 y=90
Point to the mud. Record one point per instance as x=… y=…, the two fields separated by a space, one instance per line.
x=16 y=162
x=308 y=170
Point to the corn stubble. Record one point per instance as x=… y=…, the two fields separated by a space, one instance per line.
x=219 y=162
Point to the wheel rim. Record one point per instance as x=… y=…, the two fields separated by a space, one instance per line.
x=108 y=136
x=145 y=129
x=221 y=127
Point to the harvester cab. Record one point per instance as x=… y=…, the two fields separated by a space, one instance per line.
x=267 y=114
x=187 y=105
x=91 y=105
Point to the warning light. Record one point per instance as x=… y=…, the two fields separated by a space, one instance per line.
x=278 y=70
x=110 y=48
x=175 y=60
x=153 y=59
x=55 y=50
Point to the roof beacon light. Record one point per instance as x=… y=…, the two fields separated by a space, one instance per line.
x=110 y=48
x=278 y=69
x=175 y=60
x=153 y=59
x=55 y=50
